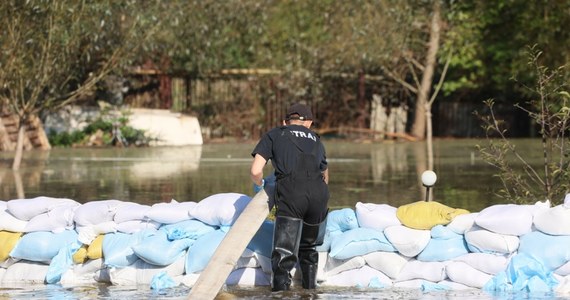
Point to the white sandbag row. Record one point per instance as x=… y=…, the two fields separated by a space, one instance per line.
x=420 y=245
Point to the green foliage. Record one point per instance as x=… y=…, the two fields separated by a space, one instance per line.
x=550 y=110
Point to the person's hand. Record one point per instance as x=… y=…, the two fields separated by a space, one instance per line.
x=258 y=188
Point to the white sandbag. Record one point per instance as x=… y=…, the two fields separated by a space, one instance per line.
x=414 y=269
x=86 y=234
x=334 y=266
x=82 y=274
x=95 y=212
x=220 y=209
x=361 y=277
x=187 y=279
x=42 y=246
x=482 y=240
x=376 y=216
x=359 y=241
x=407 y=241
x=511 y=219
x=389 y=263
x=9 y=222
x=26 y=209
x=170 y=212
x=129 y=211
x=25 y=272
x=133 y=226
x=563 y=287
x=463 y=273
x=461 y=223
x=141 y=273
x=251 y=259
x=485 y=262
x=554 y=221
x=248 y=277
x=58 y=219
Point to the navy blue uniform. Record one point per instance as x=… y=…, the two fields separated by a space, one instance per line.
x=298 y=157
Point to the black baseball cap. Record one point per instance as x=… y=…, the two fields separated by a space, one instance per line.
x=303 y=112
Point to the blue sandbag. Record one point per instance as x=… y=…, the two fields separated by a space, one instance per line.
x=552 y=251
x=342 y=219
x=158 y=250
x=444 y=245
x=61 y=262
x=42 y=246
x=161 y=281
x=262 y=241
x=202 y=251
x=359 y=241
x=191 y=229
x=118 y=247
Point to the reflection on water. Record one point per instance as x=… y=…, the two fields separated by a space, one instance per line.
x=380 y=173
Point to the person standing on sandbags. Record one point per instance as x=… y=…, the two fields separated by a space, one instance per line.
x=301 y=195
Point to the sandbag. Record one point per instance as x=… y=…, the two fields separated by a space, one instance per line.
x=389 y=263
x=338 y=221
x=8 y=241
x=42 y=246
x=58 y=219
x=260 y=242
x=425 y=215
x=95 y=249
x=130 y=211
x=95 y=212
x=9 y=222
x=142 y=273
x=508 y=219
x=414 y=269
x=200 y=253
x=26 y=209
x=462 y=223
x=220 y=209
x=552 y=251
x=463 y=273
x=485 y=241
x=485 y=262
x=407 y=241
x=118 y=248
x=170 y=212
x=359 y=241
x=134 y=226
x=334 y=266
x=187 y=229
x=444 y=245
x=158 y=250
x=554 y=221
x=376 y=216
x=25 y=272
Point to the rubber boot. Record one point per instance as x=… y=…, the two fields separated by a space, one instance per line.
x=311 y=237
x=286 y=236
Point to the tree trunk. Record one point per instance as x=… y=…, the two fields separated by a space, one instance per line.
x=19 y=145
x=420 y=117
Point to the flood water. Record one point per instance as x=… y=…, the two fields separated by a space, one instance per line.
x=386 y=173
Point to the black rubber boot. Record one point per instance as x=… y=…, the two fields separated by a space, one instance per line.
x=286 y=236
x=311 y=237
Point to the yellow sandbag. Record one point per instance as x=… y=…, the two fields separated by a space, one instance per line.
x=95 y=249
x=425 y=215
x=80 y=256
x=8 y=241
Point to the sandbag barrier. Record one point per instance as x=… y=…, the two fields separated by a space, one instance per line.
x=424 y=245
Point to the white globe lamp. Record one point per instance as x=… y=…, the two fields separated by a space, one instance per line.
x=428 y=180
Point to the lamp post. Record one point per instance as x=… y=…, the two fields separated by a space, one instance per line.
x=428 y=180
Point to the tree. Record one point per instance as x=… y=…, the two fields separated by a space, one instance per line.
x=55 y=52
